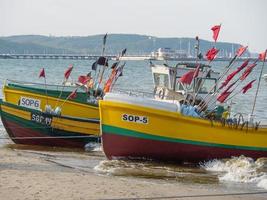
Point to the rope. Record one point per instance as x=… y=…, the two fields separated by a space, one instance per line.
x=192 y=196
x=34 y=127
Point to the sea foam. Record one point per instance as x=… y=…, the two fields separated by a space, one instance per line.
x=240 y=169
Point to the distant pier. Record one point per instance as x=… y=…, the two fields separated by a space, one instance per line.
x=52 y=56
x=94 y=57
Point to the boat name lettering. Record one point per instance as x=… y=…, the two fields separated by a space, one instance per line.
x=135 y=118
x=30 y=103
x=41 y=119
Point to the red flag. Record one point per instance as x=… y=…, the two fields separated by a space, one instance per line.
x=210 y=55
x=68 y=71
x=228 y=79
x=243 y=65
x=247 y=71
x=262 y=56
x=241 y=50
x=83 y=79
x=73 y=94
x=187 y=77
x=42 y=73
x=196 y=71
x=231 y=76
x=216 y=31
x=223 y=96
x=248 y=86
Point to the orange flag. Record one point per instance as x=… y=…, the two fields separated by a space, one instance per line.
x=262 y=56
x=223 y=96
x=241 y=50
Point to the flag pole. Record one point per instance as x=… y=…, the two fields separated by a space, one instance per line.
x=237 y=92
x=97 y=74
x=112 y=75
x=197 y=58
x=46 y=91
x=226 y=69
x=117 y=76
x=103 y=50
x=239 y=79
x=64 y=80
x=239 y=52
x=258 y=86
x=215 y=37
x=42 y=74
x=69 y=96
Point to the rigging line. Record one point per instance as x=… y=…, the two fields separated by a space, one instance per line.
x=49 y=137
x=47 y=127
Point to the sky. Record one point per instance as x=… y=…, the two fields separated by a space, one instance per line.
x=243 y=21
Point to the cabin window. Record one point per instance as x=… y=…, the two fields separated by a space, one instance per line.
x=180 y=87
x=206 y=85
x=161 y=80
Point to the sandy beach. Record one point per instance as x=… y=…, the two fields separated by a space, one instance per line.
x=29 y=174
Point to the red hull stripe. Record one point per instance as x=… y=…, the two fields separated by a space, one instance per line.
x=118 y=146
x=15 y=130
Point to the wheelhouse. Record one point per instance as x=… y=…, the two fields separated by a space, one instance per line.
x=167 y=84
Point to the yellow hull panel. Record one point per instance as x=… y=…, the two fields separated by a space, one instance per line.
x=69 y=108
x=60 y=123
x=174 y=126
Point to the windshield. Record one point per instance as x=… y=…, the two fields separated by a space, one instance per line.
x=205 y=85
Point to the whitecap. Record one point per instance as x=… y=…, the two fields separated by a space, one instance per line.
x=263 y=183
x=239 y=169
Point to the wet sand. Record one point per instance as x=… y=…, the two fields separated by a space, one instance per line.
x=29 y=174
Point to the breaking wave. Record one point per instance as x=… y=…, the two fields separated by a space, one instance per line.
x=240 y=169
x=93 y=147
x=154 y=170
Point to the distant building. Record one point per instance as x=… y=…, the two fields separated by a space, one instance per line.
x=168 y=53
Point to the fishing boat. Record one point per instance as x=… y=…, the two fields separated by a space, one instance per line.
x=184 y=130
x=34 y=127
x=142 y=128
x=37 y=96
x=86 y=92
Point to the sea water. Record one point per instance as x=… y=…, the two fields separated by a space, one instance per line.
x=234 y=174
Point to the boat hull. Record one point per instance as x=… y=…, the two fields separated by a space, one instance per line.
x=27 y=126
x=168 y=135
x=121 y=146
